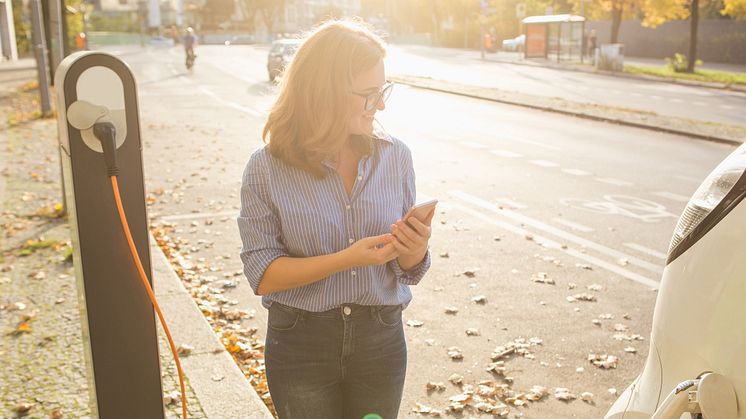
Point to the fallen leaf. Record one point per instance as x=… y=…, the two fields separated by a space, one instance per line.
x=603 y=361
x=414 y=323
x=480 y=299
x=564 y=394
x=472 y=332
x=433 y=386
x=456 y=379
x=454 y=352
x=451 y=310
x=184 y=349
x=586 y=397
x=542 y=278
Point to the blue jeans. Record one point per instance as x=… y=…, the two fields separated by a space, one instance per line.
x=347 y=362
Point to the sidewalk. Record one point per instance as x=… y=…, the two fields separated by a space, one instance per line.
x=516 y=58
x=44 y=372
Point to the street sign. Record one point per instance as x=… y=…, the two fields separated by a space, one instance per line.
x=520 y=10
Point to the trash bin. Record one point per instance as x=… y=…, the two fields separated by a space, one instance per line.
x=610 y=57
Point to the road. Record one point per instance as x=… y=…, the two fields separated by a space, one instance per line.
x=522 y=192
x=464 y=66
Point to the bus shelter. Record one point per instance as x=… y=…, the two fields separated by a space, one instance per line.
x=555 y=36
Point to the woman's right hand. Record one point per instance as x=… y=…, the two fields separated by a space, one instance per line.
x=375 y=250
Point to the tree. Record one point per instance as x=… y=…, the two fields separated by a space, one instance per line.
x=735 y=8
x=658 y=12
x=616 y=10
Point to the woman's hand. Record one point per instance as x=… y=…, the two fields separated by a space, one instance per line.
x=375 y=250
x=412 y=238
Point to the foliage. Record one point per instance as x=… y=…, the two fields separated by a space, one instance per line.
x=119 y=23
x=217 y=11
x=699 y=75
x=22 y=28
x=679 y=63
x=735 y=8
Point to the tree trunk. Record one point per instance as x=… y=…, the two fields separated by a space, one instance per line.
x=692 y=59
x=617 y=11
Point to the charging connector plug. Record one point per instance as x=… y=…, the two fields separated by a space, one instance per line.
x=106 y=132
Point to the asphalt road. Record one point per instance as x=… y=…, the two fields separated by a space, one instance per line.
x=521 y=191
x=463 y=66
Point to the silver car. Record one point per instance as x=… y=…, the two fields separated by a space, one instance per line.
x=279 y=56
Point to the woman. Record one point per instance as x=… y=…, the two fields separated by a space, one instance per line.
x=323 y=240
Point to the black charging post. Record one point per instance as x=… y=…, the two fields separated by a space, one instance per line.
x=97 y=92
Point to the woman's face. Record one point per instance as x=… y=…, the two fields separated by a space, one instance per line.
x=366 y=83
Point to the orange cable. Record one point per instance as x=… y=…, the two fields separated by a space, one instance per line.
x=136 y=257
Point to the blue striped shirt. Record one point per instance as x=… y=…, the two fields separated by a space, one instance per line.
x=286 y=211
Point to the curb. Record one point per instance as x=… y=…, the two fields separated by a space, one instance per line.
x=219 y=385
x=448 y=87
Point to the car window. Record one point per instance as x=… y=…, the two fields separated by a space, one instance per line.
x=276 y=49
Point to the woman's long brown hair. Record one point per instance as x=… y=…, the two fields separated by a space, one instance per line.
x=309 y=120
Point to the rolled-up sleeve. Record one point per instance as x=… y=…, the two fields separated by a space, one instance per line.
x=416 y=273
x=258 y=223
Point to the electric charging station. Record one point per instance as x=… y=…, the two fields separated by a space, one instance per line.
x=97 y=97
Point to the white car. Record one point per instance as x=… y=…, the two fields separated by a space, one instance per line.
x=514 y=44
x=696 y=366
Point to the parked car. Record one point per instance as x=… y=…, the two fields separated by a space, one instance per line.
x=279 y=56
x=514 y=44
x=696 y=365
x=161 y=41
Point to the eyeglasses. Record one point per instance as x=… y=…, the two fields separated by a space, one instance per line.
x=372 y=99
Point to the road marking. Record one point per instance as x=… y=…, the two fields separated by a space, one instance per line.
x=698 y=103
x=616 y=92
x=536 y=143
x=505 y=153
x=555 y=231
x=505 y=202
x=551 y=244
x=572 y=225
x=728 y=107
x=672 y=196
x=544 y=163
x=690 y=179
x=636 y=94
x=656 y=97
x=576 y=172
x=615 y=182
x=646 y=250
x=677 y=100
x=234 y=105
x=199 y=215
x=473 y=145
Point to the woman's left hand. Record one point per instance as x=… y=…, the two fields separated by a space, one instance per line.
x=412 y=238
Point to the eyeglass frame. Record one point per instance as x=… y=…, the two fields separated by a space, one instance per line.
x=376 y=97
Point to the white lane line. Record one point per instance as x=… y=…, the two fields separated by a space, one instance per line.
x=557 y=232
x=646 y=250
x=505 y=202
x=728 y=107
x=544 y=163
x=572 y=225
x=551 y=244
x=698 y=103
x=615 y=182
x=656 y=97
x=536 y=143
x=234 y=105
x=576 y=172
x=690 y=179
x=505 y=153
x=672 y=196
x=676 y=100
x=199 y=215
x=636 y=94
x=472 y=145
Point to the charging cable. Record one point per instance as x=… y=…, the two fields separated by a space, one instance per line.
x=106 y=133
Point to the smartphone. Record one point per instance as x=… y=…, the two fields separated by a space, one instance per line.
x=421 y=210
